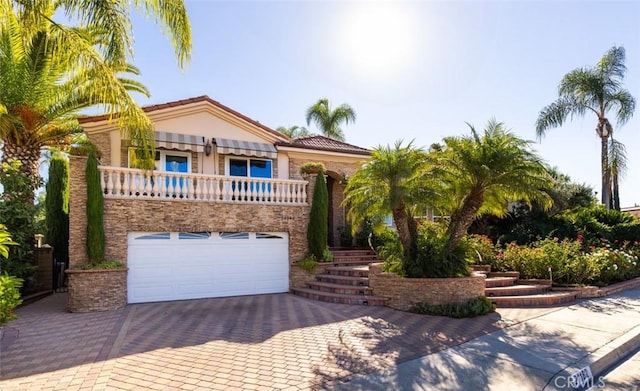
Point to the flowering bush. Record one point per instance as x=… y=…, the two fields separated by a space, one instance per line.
x=615 y=265
x=9 y=297
x=481 y=250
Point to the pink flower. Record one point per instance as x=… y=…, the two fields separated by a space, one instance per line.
x=580 y=238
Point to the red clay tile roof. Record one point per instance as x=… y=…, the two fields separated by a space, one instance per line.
x=183 y=102
x=325 y=144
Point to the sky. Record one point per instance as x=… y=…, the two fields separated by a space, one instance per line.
x=414 y=70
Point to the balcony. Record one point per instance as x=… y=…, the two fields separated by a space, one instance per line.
x=135 y=184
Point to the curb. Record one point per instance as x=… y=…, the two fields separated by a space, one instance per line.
x=600 y=361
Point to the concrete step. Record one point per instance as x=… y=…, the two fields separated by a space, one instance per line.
x=352 y=252
x=539 y=300
x=339 y=298
x=504 y=274
x=340 y=288
x=352 y=257
x=516 y=290
x=481 y=268
x=491 y=282
x=343 y=280
x=353 y=271
x=353 y=262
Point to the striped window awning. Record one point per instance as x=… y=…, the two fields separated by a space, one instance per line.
x=181 y=142
x=246 y=148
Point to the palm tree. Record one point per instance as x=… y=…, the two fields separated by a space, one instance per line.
x=618 y=168
x=328 y=121
x=110 y=17
x=482 y=173
x=294 y=131
x=598 y=90
x=394 y=182
x=45 y=87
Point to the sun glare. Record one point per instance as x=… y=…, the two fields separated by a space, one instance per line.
x=379 y=39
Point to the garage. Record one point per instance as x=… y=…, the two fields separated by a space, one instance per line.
x=166 y=266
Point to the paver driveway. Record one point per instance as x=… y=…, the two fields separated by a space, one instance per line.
x=253 y=342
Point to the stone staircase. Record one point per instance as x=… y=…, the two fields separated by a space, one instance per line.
x=345 y=280
x=505 y=289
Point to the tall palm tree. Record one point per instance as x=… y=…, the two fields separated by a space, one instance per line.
x=394 y=182
x=618 y=166
x=111 y=17
x=329 y=121
x=46 y=82
x=482 y=173
x=294 y=131
x=597 y=90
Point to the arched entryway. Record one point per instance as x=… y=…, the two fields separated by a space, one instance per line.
x=336 y=216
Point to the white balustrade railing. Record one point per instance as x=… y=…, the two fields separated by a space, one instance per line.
x=130 y=183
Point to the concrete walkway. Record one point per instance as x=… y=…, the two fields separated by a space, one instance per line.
x=286 y=342
x=538 y=354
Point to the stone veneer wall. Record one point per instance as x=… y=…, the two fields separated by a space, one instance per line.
x=96 y=290
x=77 y=211
x=338 y=167
x=103 y=142
x=403 y=293
x=124 y=216
x=298 y=277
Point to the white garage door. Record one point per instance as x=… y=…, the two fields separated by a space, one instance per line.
x=167 y=266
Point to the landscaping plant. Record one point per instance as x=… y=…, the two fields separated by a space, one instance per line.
x=95 y=212
x=9 y=297
x=317 y=234
x=472 y=308
x=57 y=208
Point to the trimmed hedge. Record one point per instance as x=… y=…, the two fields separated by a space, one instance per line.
x=472 y=308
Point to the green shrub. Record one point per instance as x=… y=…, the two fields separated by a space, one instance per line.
x=57 y=208
x=101 y=265
x=362 y=235
x=17 y=212
x=327 y=255
x=433 y=260
x=474 y=307
x=615 y=265
x=312 y=168
x=5 y=242
x=308 y=263
x=95 y=211
x=9 y=297
x=481 y=250
x=318 y=217
x=388 y=247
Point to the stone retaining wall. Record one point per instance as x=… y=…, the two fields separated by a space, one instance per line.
x=97 y=290
x=403 y=293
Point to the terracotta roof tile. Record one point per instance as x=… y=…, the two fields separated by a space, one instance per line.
x=325 y=144
x=184 y=102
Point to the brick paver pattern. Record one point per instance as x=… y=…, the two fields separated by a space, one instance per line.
x=261 y=342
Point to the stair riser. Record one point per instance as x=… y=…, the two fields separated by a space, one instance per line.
x=346 y=290
x=498 y=283
x=516 y=292
x=340 y=300
x=339 y=253
x=504 y=274
x=370 y=258
x=347 y=282
x=351 y=273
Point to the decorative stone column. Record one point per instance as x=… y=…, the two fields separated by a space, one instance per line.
x=77 y=211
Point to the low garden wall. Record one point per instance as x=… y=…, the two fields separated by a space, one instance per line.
x=403 y=293
x=96 y=290
x=298 y=277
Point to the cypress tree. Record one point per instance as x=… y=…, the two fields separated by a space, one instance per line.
x=95 y=211
x=317 y=230
x=57 y=207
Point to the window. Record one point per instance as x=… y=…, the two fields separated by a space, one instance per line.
x=194 y=235
x=172 y=161
x=155 y=236
x=234 y=235
x=254 y=168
